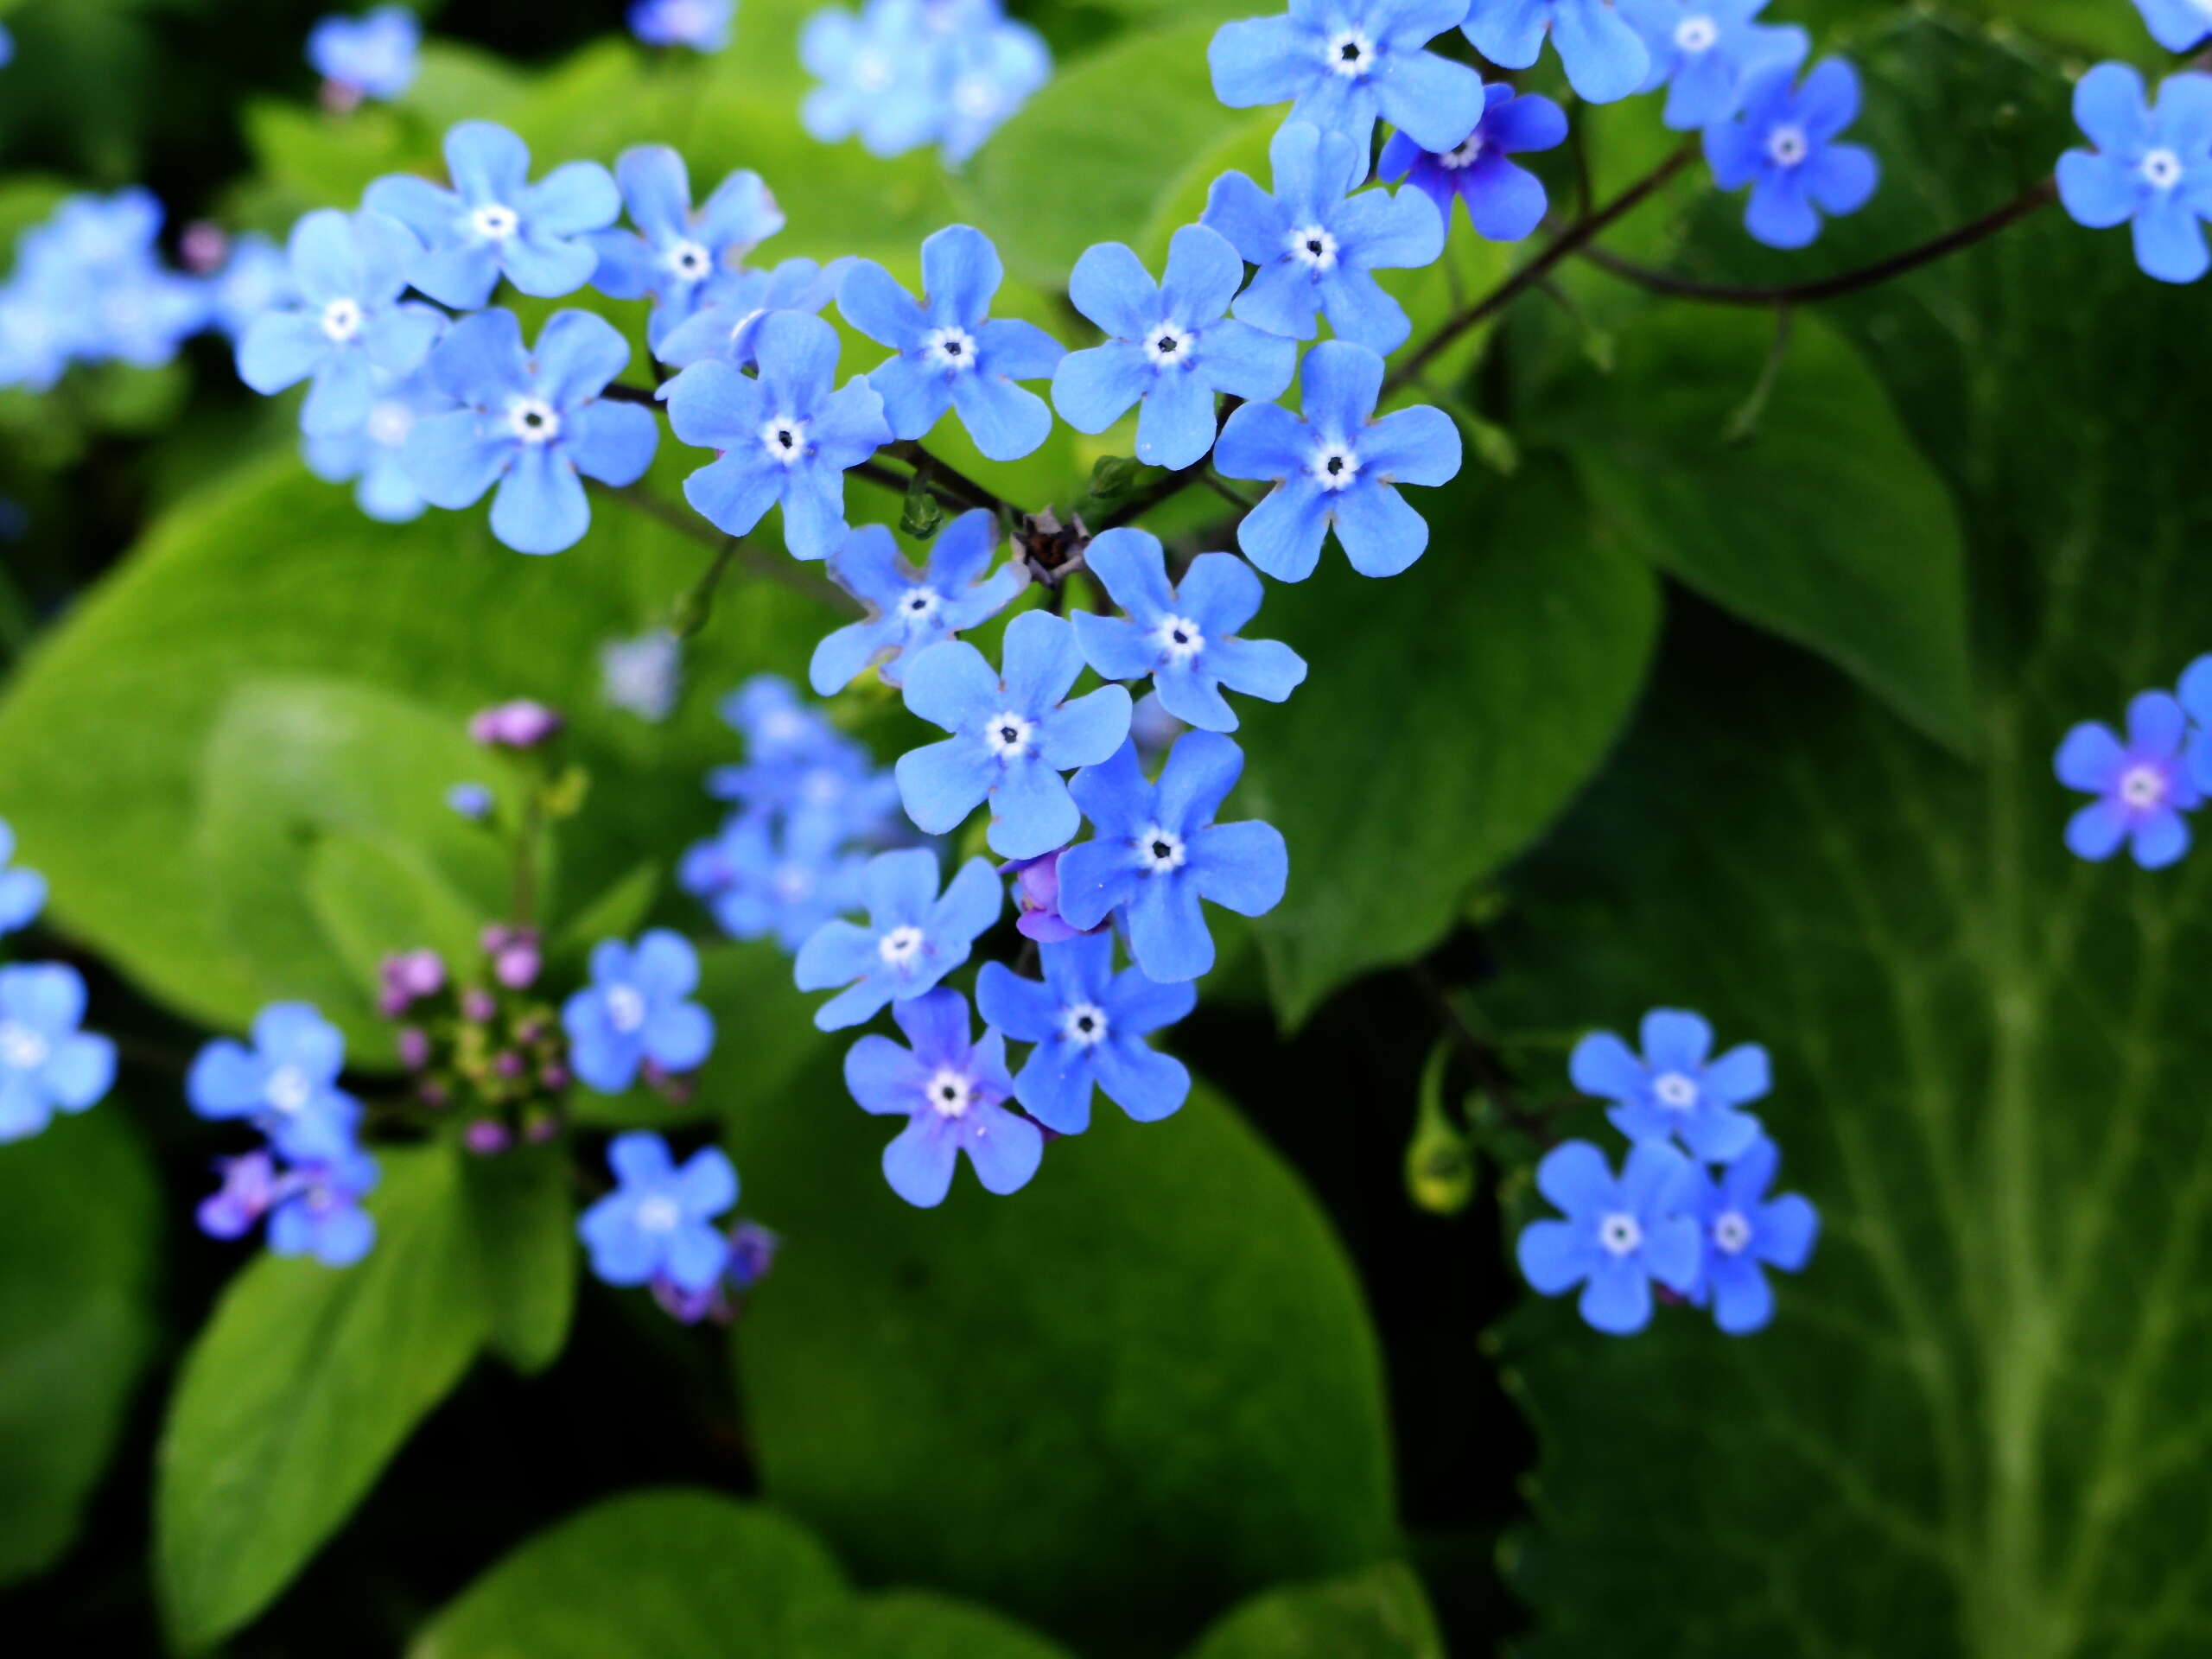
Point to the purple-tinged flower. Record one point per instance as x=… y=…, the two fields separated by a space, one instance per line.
x=1783 y=145
x=318 y=1210
x=1605 y=59
x=910 y=610
x=638 y=1009
x=46 y=1065
x=1701 y=50
x=1743 y=1233
x=1673 y=1089
x=751 y=1255
x=286 y=1084
x=659 y=1222
x=236 y=1207
x=472 y=801
x=1505 y=201
x=1089 y=1023
x=2152 y=166
x=1336 y=467
x=1342 y=63
x=1157 y=852
x=487 y=1137
x=2177 y=25
x=1037 y=898
x=913 y=937
x=727 y=325
x=518 y=723
x=414 y=1045
x=370 y=56
x=1618 y=1235
x=22 y=892
x=406 y=978
x=676 y=255
x=516 y=954
x=2142 y=786
x=950 y=1091
x=702 y=25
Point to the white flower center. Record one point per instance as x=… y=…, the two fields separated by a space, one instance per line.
x=494 y=221
x=1008 y=735
x=1696 y=35
x=793 y=882
x=821 y=787
x=1467 y=154
x=1619 y=1234
x=1167 y=343
x=872 y=73
x=688 y=261
x=533 y=420
x=1350 y=53
x=952 y=349
x=288 y=1090
x=919 y=605
x=1787 y=145
x=658 y=1214
x=2143 y=787
x=1163 y=851
x=1676 y=1092
x=898 y=946
x=1314 y=247
x=977 y=98
x=785 y=439
x=949 y=1094
x=1731 y=1232
x=1335 y=467
x=1083 y=1024
x=625 y=1009
x=341 y=320
x=2163 y=168
x=389 y=425
x=1178 y=637
x=782 y=726
x=21 y=1049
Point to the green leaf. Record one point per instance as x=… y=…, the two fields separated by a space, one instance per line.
x=77 y=1238
x=618 y=912
x=301 y=1386
x=525 y=1221
x=915 y=1624
x=1452 y=712
x=1156 y=1352
x=1379 y=1614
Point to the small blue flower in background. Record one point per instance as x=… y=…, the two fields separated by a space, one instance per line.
x=88 y=285
x=1339 y=66
x=676 y=255
x=1172 y=349
x=256 y=276
x=2177 y=25
x=702 y=25
x=46 y=1065
x=472 y=801
x=495 y=222
x=797 y=762
x=22 y=892
x=370 y=56
x=1744 y=1233
x=373 y=458
x=1783 y=145
x=7 y=47
x=727 y=325
x=952 y=355
x=659 y=1222
x=637 y=1009
x=905 y=73
x=1089 y=1023
x=1673 y=1089
x=1184 y=639
x=286 y=1084
x=1701 y=50
x=318 y=1210
x=910 y=610
x=1157 y=852
x=349 y=326
x=643 y=676
x=764 y=878
x=1314 y=242
x=1504 y=201
x=913 y=937
x=1618 y=1235
x=987 y=75
x=2195 y=695
x=785 y=437
x=950 y=1091
x=2142 y=786
x=2151 y=166
x=1336 y=467
x=1605 y=59
x=1014 y=735
x=532 y=422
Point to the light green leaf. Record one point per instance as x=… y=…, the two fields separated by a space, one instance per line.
x=618 y=912
x=1379 y=1614
x=915 y=1624
x=525 y=1220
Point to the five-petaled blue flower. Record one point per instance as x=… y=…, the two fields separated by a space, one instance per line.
x=349 y=325
x=950 y=1091
x=1158 y=851
x=679 y=257
x=1701 y=50
x=1504 y=200
x=1336 y=467
x=910 y=610
x=659 y=1221
x=1783 y=145
x=1341 y=63
x=913 y=937
x=1603 y=57
x=2177 y=25
x=952 y=353
x=1172 y=348
x=23 y=892
x=1185 y=639
x=727 y=325
x=762 y=877
x=1673 y=1089
x=2142 y=786
x=286 y=1084
x=374 y=458
x=1089 y=1023
x=371 y=56
x=318 y=1209
x=877 y=76
x=786 y=436
x=1013 y=736
x=531 y=422
x=637 y=1009
x=1315 y=242
x=702 y=25
x=1743 y=1233
x=2152 y=165
x=1618 y=1235
x=494 y=220
x=46 y=1065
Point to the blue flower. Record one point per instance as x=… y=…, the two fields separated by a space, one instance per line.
x=657 y=1223
x=257 y=277
x=702 y=25
x=1673 y=1089
x=913 y=937
x=349 y=326
x=7 y=47
x=637 y=1009
x=373 y=458
x=46 y=1065
x=472 y=801
x=878 y=78
x=1700 y=50
x=531 y=423
x=1742 y=1233
x=951 y=354
x=786 y=436
x=372 y=56
x=2177 y=25
x=1340 y=65
x=797 y=762
x=2142 y=786
x=1158 y=851
x=318 y=1210
x=1783 y=145
x=949 y=1092
x=987 y=75
x=89 y=284
x=2195 y=694
x=494 y=220
x=776 y=875
x=1504 y=201
x=1013 y=736
x=1089 y=1023
x=286 y=1084
x=1172 y=348
x=727 y=325
x=1184 y=638
x=1618 y=1235
x=2152 y=166
x=22 y=892
x=1605 y=59
x=643 y=676
x=910 y=610
x=1315 y=243
x=676 y=255
x=1336 y=467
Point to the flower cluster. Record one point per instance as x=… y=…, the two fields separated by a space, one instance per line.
x=2146 y=781
x=902 y=74
x=89 y=286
